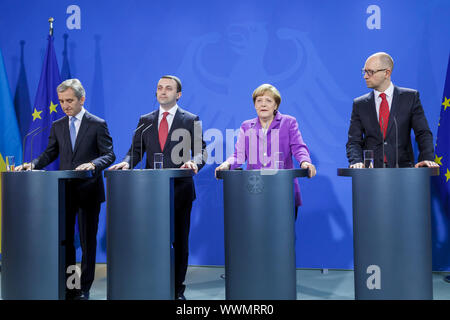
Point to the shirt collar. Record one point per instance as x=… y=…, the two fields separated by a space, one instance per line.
x=389 y=91
x=80 y=114
x=171 y=111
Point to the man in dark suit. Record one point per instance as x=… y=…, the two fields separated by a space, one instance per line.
x=82 y=141
x=177 y=134
x=386 y=116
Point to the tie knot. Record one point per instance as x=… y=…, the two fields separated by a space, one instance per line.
x=73 y=119
x=165 y=114
x=383 y=96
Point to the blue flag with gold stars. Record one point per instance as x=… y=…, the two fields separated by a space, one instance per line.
x=443 y=145
x=46 y=107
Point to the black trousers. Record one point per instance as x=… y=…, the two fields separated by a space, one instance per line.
x=88 y=215
x=181 y=244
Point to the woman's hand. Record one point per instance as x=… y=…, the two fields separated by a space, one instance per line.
x=311 y=168
x=224 y=166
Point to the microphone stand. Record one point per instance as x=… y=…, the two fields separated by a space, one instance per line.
x=23 y=145
x=384 y=141
x=132 y=145
x=31 y=147
x=396 y=142
x=142 y=135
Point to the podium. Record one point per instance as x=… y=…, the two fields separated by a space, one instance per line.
x=33 y=231
x=392 y=232
x=259 y=233
x=140 y=233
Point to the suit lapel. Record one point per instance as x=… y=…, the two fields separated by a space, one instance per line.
x=373 y=113
x=153 y=133
x=66 y=136
x=176 y=123
x=275 y=123
x=85 y=121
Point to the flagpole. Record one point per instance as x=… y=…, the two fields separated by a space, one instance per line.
x=50 y=20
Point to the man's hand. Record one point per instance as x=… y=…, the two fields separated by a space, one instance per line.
x=120 y=166
x=427 y=163
x=24 y=167
x=311 y=168
x=85 y=166
x=190 y=165
x=358 y=165
x=224 y=166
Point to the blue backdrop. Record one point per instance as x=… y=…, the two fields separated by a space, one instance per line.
x=222 y=50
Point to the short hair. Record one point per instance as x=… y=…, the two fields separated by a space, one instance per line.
x=267 y=88
x=73 y=84
x=176 y=79
x=385 y=59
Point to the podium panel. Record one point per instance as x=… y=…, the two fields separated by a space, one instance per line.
x=259 y=233
x=33 y=231
x=140 y=233
x=392 y=232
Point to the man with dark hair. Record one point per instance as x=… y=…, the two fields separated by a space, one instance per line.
x=161 y=138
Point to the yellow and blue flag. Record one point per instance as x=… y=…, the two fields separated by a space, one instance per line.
x=443 y=145
x=46 y=107
x=10 y=141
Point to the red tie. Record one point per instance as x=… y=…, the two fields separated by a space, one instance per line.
x=384 y=114
x=163 y=130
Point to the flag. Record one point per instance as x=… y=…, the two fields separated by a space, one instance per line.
x=22 y=101
x=442 y=156
x=46 y=108
x=65 y=69
x=10 y=142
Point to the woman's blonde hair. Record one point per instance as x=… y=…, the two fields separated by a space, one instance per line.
x=267 y=88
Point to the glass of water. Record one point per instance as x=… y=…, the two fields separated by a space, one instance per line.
x=278 y=160
x=158 y=160
x=368 y=158
x=10 y=163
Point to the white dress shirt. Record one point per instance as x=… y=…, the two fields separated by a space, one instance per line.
x=169 y=117
x=389 y=93
x=79 y=117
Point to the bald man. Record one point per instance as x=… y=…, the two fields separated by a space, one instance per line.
x=387 y=115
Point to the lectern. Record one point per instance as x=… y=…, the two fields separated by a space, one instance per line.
x=140 y=227
x=392 y=232
x=259 y=233
x=33 y=233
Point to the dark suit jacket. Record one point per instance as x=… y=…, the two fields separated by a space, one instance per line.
x=185 y=138
x=365 y=134
x=93 y=144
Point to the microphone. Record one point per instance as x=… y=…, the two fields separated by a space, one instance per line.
x=396 y=142
x=132 y=144
x=382 y=134
x=31 y=146
x=23 y=145
x=142 y=135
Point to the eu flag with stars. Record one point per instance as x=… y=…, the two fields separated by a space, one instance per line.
x=443 y=145
x=46 y=107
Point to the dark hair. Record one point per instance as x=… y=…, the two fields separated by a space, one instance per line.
x=176 y=79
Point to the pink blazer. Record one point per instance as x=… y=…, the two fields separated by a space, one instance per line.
x=259 y=150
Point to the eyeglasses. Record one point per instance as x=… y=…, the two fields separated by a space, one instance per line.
x=371 y=72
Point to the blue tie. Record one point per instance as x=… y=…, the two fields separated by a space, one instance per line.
x=73 y=131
